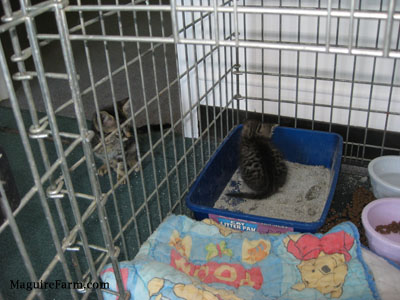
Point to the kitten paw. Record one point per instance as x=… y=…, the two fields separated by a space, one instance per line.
x=102 y=170
x=123 y=181
x=134 y=165
x=120 y=173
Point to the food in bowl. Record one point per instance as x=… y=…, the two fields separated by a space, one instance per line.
x=381 y=212
x=386 y=229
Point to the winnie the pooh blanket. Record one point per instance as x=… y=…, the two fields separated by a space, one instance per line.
x=187 y=259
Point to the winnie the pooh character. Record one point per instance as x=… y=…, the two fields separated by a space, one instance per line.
x=326 y=273
x=323 y=260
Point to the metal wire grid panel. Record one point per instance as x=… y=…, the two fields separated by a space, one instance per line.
x=196 y=65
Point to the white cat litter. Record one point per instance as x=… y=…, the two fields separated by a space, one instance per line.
x=302 y=198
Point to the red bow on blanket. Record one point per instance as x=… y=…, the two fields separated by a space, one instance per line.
x=309 y=246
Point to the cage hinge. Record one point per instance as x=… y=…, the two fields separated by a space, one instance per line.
x=238 y=97
x=26 y=53
x=39 y=132
x=54 y=192
x=22 y=76
x=29 y=75
x=234 y=34
x=73 y=248
x=236 y=69
x=82 y=290
x=12 y=17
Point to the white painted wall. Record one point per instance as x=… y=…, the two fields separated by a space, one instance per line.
x=364 y=95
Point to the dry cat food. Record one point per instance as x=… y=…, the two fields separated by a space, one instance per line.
x=386 y=229
x=349 y=210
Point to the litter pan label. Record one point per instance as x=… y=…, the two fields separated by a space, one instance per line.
x=245 y=225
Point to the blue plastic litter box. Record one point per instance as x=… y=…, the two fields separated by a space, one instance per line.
x=297 y=145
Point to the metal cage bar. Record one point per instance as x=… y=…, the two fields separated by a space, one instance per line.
x=302 y=64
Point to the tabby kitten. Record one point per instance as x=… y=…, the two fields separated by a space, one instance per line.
x=113 y=151
x=261 y=165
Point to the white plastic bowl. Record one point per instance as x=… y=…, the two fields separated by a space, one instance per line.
x=382 y=212
x=384 y=173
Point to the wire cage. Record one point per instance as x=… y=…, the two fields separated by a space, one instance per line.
x=194 y=69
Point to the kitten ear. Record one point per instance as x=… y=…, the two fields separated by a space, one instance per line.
x=128 y=131
x=273 y=126
x=126 y=110
x=108 y=122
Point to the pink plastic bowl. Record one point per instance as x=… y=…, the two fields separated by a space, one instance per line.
x=382 y=212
